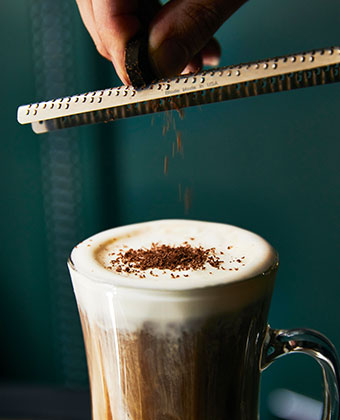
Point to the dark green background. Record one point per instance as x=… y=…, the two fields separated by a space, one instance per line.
x=268 y=164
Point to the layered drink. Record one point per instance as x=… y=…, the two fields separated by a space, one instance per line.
x=174 y=314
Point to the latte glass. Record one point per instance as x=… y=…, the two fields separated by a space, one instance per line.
x=162 y=353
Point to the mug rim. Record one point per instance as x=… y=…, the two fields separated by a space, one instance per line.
x=114 y=284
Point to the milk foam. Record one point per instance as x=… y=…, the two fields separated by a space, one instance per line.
x=126 y=299
x=244 y=254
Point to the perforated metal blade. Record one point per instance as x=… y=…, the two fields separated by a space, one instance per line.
x=266 y=76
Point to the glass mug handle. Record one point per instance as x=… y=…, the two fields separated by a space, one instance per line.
x=281 y=342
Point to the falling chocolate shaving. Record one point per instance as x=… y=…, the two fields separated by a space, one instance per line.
x=166 y=162
x=179 y=141
x=187 y=199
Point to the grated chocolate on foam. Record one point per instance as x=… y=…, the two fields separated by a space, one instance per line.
x=165 y=257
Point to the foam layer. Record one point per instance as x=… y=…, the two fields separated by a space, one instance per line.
x=243 y=254
x=110 y=298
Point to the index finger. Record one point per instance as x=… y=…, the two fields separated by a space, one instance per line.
x=117 y=21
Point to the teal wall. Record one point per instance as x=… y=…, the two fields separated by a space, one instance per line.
x=269 y=164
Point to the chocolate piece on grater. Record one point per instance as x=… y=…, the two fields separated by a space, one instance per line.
x=137 y=61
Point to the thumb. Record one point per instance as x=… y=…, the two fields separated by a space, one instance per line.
x=182 y=28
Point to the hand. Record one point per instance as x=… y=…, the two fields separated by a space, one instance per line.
x=180 y=32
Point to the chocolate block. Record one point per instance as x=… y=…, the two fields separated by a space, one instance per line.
x=137 y=62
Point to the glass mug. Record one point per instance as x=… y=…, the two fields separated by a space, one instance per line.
x=195 y=353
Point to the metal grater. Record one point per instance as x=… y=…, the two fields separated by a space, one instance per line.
x=238 y=81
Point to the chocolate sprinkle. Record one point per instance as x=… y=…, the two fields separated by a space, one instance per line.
x=165 y=257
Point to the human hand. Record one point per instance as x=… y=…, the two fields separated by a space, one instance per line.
x=180 y=32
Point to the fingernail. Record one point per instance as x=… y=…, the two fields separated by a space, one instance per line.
x=169 y=59
x=211 y=61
